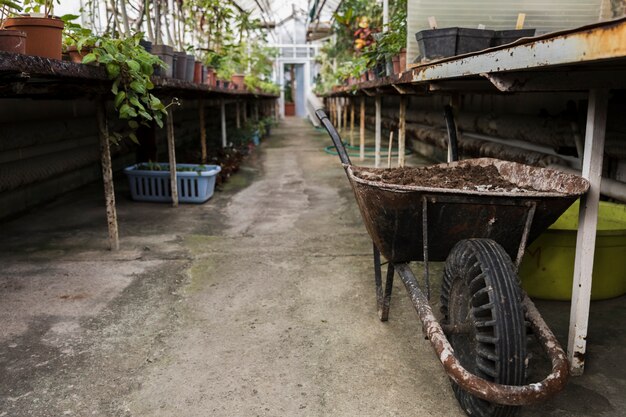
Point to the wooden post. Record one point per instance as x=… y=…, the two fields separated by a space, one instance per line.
x=362 y=131
x=171 y=150
x=202 y=133
x=244 y=113
x=238 y=121
x=339 y=119
x=107 y=176
x=223 y=122
x=402 y=131
x=256 y=111
x=378 y=132
x=390 y=151
x=587 y=225
x=344 y=109
x=351 y=123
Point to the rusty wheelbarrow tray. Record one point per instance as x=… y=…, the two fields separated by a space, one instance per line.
x=476 y=232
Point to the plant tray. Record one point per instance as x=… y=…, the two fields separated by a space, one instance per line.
x=195 y=185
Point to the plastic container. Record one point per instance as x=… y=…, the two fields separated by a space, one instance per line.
x=472 y=40
x=437 y=43
x=180 y=68
x=190 y=68
x=548 y=267
x=195 y=186
x=503 y=37
x=166 y=53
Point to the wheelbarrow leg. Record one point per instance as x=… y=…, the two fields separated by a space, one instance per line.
x=383 y=297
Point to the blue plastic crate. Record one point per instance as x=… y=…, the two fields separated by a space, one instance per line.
x=193 y=186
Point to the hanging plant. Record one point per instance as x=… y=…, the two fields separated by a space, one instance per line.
x=129 y=66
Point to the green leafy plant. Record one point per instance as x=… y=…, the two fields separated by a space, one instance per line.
x=8 y=7
x=129 y=66
x=46 y=7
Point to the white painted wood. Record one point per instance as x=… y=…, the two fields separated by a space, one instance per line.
x=223 y=122
x=377 y=137
x=587 y=225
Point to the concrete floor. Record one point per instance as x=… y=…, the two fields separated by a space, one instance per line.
x=258 y=303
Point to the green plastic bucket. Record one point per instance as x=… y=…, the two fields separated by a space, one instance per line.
x=548 y=267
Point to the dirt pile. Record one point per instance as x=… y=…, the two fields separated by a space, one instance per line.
x=469 y=177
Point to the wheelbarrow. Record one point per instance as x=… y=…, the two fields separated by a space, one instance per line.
x=481 y=235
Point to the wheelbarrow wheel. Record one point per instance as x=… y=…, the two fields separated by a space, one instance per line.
x=482 y=301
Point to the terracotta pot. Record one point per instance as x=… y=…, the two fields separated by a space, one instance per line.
x=197 y=72
x=371 y=75
x=402 y=60
x=75 y=55
x=210 y=77
x=290 y=109
x=13 y=41
x=363 y=77
x=43 y=34
x=237 y=80
x=396 y=64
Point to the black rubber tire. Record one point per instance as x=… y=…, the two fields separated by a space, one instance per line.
x=480 y=288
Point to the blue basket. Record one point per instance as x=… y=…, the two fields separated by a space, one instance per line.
x=193 y=186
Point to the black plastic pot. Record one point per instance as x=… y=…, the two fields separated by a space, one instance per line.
x=502 y=37
x=180 y=68
x=380 y=69
x=190 y=67
x=166 y=53
x=147 y=45
x=472 y=40
x=437 y=43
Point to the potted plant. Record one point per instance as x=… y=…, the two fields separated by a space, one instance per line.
x=44 y=33
x=11 y=40
x=129 y=67
x=77 y=40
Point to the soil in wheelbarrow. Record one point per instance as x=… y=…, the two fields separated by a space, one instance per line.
x=470 y=177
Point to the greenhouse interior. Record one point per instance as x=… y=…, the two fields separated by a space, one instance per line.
x=312 y=208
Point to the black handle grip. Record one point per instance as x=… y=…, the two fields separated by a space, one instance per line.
x=334 y=135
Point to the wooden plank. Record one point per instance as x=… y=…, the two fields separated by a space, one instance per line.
x=338 y=109
x=223 y=123
x=203 y=157
x=107 y=176
x=390 y=151
x=351 y=122
x=402 y=131
x=378 y=133
x=586 y=237
x=362 y=131
x=171 y=150
x=237 y=116
x=344 y=109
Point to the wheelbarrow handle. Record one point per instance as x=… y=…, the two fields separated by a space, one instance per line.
x=334 y=135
